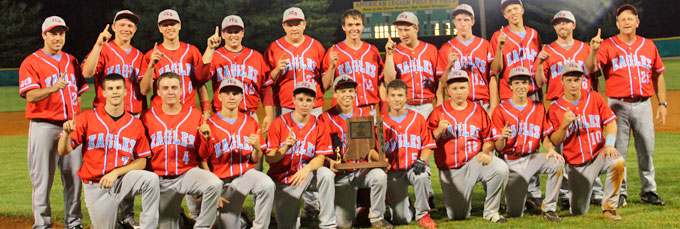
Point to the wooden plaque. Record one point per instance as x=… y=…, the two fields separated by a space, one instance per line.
x=360 y=140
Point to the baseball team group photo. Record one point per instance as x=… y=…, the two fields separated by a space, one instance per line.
x=340 y=114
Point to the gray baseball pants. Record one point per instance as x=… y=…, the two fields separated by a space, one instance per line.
x=581 y=180
x=287 y=200
x=397 y=192
x=235 y=191
x=346 y=187
x=521 y=170
x=196 y=181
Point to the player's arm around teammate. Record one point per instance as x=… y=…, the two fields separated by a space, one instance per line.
x=298 y=144
x=234 y=148
x=409 y=145
x=464 y=155
x=584 y=118
x=110 y=177
x=518 y=127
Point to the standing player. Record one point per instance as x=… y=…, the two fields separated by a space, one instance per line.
x=633 y=72
x=347 y=182
x=50 y=80
x=181 y=58
x=582 y=119
x=296 y=160
x=173 y=130
x=408 y=146
x=294 y=58
x=519 y=126
x=118 y=56
x=513 y=46
x=233 y=151
x=355 y=58
x=471 y=54
x=464 y=157
x=244 y=64
x=110 y=177
x=413 y=62
x=549 y=65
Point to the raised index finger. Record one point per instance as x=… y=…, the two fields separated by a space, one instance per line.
x=217 y=30
x=107 y=27
x=282 y=56
x=599 y=32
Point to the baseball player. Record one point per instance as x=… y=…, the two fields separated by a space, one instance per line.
x=414 y=62
x=408 y=146
x=581 y=119
x=246 y=65
x=172 y=128
x=233 y=151
x=469 y=53
x=294 y=58
x=119 y=57
x=109 y=177
x=355 y=58
x=552 y=58
x=633 y=72
x=296 y=160
x=513 y=46
x=518 y=127
x=51 y=81
x=347 y=182
x=462 y=130
x=182 y=59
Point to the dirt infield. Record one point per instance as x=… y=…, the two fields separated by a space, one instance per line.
x=14 y=123
x=21 y=222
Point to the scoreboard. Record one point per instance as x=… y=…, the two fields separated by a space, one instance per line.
x=434 y=17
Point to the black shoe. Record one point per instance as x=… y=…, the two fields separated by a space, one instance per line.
x=651 y=198
x=622 y=201
x=533 y=203
x=430 y=201
x=76 y=227
x=564 y=203
x=597 y=202
x=552 y=216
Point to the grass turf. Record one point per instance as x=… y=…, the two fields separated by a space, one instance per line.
x=15 y=200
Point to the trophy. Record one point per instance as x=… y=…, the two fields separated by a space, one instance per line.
x=360 y=140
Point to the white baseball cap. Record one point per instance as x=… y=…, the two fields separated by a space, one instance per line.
x=232 y=20
x=565 y=14
x=571 y=67
x=463 y=8
x=52 y=22
x=168 y=14
x=505 y=3
x=519 y=71
x=457 y=74
x=408 y=17
x=231 y=82
x=293 y=13
x=126 y=14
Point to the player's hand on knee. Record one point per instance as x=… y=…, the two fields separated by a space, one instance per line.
x=484 y=158
x=610 y=153
x=222 y=202
x=419 y=166
x=108 y=179
x=552 y=153
x=298 y=179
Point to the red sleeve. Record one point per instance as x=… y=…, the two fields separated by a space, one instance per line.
x=497 y=124
x=80 y=80
x=554 y=116
x=202 y=72
x=206 y=150
x=490 y=52
x=78 y=135
x=485 y=132
x=274 y=134
x=323 y=141
x=443 y=59
x=326 y=61
x=427 y=141
x=433 y=120
x=265 y=78
x=493 y=43
x=657 y=65
x=548 y=128
x=269 y=57
x=145 y=65
x=606 y=113
x=320 y=51
x=603 y=56
x=28 y=78
x=142 y=148
x=381 y=63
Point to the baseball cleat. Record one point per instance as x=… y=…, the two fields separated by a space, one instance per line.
x=622 y=201
x=611 y=215
x=552 y=216
x=651 y=198
x=382 y=224
x=426 y=222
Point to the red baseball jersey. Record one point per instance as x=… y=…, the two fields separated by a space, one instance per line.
x=552 y=67
x=175 y=140
x=417 y=69
x=628 y=69
x=187 y=62
x=469 y=129
x=364 y=65
x=528 y=126
x=108 y=144
x=312 y=140
x=113 y=59
x=584 y=139
x=249 y=67
x=304 y=64
x=228 y=150
x=336 y=125
x=405 y=139
x=40 y=70
x=474 y=58
x=517 y=52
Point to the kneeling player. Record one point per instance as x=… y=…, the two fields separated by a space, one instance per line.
x=347 y=182
x=580 y=118
x=173 y=130
x=298 y=145
x=519 y=125
x=110 y=176
x=232 y=152
x=464 y=154
x=408 y=145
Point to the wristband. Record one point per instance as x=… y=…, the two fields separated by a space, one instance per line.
x=611 y=140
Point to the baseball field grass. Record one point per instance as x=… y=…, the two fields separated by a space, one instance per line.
x=15 y=198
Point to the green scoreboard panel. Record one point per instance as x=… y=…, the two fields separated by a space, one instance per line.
x=434 y=17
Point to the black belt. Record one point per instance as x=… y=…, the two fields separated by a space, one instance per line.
x=54 y=122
